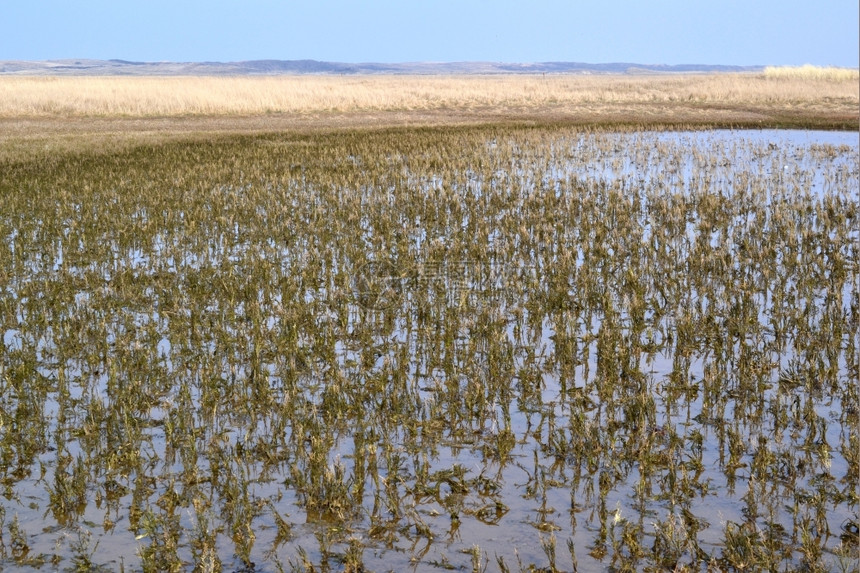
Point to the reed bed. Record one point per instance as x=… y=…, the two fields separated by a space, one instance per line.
x=810 y=72
x=40 y=97
x=472 y=348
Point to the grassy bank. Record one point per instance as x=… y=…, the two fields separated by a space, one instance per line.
x=39 y=114
x=145 y=97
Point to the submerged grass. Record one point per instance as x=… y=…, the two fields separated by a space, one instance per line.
x=408 y=348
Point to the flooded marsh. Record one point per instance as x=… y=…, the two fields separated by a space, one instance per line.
x=496 y=348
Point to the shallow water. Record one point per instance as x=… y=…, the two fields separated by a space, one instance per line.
x=457 y=354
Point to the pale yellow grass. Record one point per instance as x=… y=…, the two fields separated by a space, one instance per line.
x=147 y=97
x=810 y=72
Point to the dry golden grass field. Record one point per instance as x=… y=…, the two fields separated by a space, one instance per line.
x=95 y=112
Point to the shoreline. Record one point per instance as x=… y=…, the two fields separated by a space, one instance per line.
x=41 y=116
x=25 y=136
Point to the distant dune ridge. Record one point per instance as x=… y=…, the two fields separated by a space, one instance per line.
x=275 y=67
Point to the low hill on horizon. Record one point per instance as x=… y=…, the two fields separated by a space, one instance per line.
x=88 y=67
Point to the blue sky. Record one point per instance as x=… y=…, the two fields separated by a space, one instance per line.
x=734 y=32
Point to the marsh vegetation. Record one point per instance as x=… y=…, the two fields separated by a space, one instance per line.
x=478 y=349
x=799 y=97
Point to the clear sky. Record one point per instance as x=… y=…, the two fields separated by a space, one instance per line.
x=732 y=32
